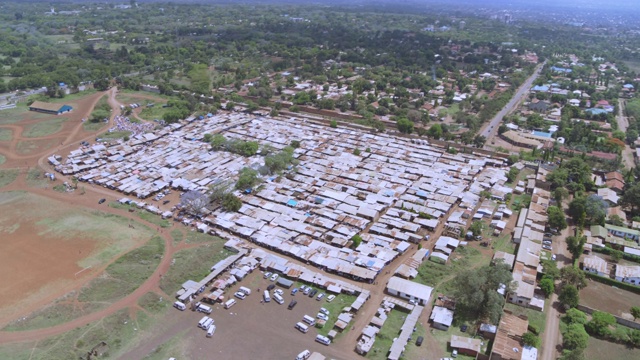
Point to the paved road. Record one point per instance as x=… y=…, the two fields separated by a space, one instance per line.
x=491 y=128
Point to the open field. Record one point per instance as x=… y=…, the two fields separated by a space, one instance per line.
x=194 y=263
x=6 y=134
x=36 y=178
x=127 y=97
x=7 y=176
x=76 y=239
x=44 y=128
x=14 y=115
x=607 y=298
x=437 y=275
x=606 y=350
x=115 y=134
x=2 y=159
x=30 y=147
x=155 y=112
x=389 y=331
x=93 y=126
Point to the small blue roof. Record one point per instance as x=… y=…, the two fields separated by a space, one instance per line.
x=292 y=202
x=627 y=86
x=540 y=88
x=209 y=115
x=560 y=69
x=596 y=111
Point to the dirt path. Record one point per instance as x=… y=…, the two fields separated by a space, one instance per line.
x=623 y=125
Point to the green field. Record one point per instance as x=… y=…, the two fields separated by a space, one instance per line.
x=7 y=176
x=194 y=263
x=6 y=134
x=14 y=115
x=155 y=112
x=36 y=178
x=390 y=330
x=93 y=126
x=2 y=159
x=115 y=135
x=605 y=350
x=335 y=308
x=45 y=128
x=439 y=275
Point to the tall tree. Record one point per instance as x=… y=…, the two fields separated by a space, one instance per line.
x=556 y=218
x=569 y=296
x=570 y=275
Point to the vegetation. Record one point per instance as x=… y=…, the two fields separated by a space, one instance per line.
x=101 y=111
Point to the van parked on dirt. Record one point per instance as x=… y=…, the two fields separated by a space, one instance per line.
x=229 y=303
x=309 y=320
x=304 y=355
x=207 y=324
x=203 y=309
x=302 y=327
x=323 y=340
x=211 y=330
x=203 y=321
x=245 y=290
x=278 y=299
x=266 y=296
x=180 y=306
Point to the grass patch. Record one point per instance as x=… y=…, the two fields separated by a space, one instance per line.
x=154 y=219
x=93 y=126
x=45 y=128
x=154 y=303
x=2 y=159
x=36 y=178
x=73 y=97
x=598 y=349
x=28 y=147
x=154 y=112
x=196 y=237
x=335 y=308
x=177 y=235
x=118 y=331
x=520 y=201
x=125 y=274
x=6 y=134
x=390 y=330
x=58 y=313
x=115 y=135
x=536 y=318
x=7 y=176
x=504 y=243
x=439 y=275
x=443 y=338
x=14 y=115
x=173 y=348
x=194 y=264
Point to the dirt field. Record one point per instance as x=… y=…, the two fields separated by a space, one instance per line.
x=249 y=330
x=607 y=298
x=605 y=350
x=53 y=250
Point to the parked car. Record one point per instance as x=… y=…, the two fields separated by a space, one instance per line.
x=292 y=304
x=464 y=328
x=240 y=295
x=322 y=316
x=102 y=200
x=294 y=291
x=454 y=353
x=547 y=247
x=320 y=296
x=419 y=340
x=324 y=311
x=267 y=275
x=553 y=257
x=274 y=277
x=330 y=298
x=279 y=292
x=270 y=287
x=313 y=292
x=306 y=290
x=547 y=242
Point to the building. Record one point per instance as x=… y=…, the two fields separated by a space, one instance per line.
x=628 y=274
x=48 y=108
x=595 y=265
x=465 y=345
x=409 y=290
x=610 y=196
x=622 y=232
x=441 y=318
x=614 y=181
x=508 y=342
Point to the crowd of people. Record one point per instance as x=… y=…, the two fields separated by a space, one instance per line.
x=122 y=123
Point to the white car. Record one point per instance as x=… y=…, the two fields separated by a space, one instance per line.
x=274 y=277
x=267 y=274
x=278 y=291
x=320 y=296
x=330 y=298
x=240 y=295
x=322 y=316
x=324 y=311
x=553 y=257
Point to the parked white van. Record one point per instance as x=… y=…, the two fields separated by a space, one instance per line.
x=304 y=355
x=302 y=327
x=203 y=321
x=323 y=339
x=180 y=306
x=207 y=323
x=309 y=320
x=211 y=330
x=245 y=290
x=229 y=303
x=203 y=309
x=266 y=296
x=278 y=299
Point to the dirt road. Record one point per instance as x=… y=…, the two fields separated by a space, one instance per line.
x=623 y=125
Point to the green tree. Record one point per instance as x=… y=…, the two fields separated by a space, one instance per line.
x=476 y=228
x=599 y=324
x=405 y=125
x=512 y=175
x=550 y=269
x=575 y=316
x=575 y=245
x=575 y=337
x=475 y=290
x=207 y=137
x=248 y=179
x=218 y=142
x=558 y=178
x=356 y=240
x=631 y=136
x=435 y=131
x=556 y=218
x=576 y=354
x=631 y=199
x=333 y=124
x=231 y=203
x=560 y=194
x=569 y=296
x=547 y=286
x=530 y=339
x=356 y=152
x=635 y=312
x=570 y=275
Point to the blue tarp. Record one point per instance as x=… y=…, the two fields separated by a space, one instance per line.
x=292 y=202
